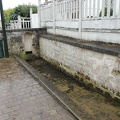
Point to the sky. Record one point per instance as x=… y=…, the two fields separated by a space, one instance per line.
x=13 y=3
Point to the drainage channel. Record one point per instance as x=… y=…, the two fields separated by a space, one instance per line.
x=84 y=102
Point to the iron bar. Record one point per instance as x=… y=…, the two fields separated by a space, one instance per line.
x=4 y=31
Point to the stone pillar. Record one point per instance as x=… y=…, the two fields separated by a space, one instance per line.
x=31 y=17
x=31 y=12
x=39 y=13
x=19 y=22
x=80 y=17
x=54 y=17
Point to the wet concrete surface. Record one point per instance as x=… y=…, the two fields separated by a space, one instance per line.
x=92 y=105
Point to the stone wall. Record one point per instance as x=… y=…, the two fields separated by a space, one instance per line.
x=98 y=70
x=24 y=41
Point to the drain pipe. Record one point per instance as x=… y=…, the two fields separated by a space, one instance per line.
x=4 y=31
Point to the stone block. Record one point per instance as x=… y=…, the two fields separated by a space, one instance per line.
x=96 y=70
x=117 y=64
x=108 y=62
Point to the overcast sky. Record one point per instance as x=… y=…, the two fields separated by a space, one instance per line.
x=13 y=3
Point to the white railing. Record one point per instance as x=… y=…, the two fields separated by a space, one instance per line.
x=21 y=23
x=96 y=9
x=63 y=16
x=13 y=24
x=91 y=9
x=67 y=10
x=25 y=22
x=46 y=14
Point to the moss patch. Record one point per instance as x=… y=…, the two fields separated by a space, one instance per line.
x=116 y=72
x=82 y=79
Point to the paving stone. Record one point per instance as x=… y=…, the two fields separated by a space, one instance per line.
x=22 y=98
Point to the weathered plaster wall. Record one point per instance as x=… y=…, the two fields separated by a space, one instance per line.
x=95 y=69
x=24 y=40
x=17 y=42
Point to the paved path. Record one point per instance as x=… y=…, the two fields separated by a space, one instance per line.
x=22 y=98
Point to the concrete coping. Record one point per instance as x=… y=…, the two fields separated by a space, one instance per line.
x=28 y=29
x=105 y=48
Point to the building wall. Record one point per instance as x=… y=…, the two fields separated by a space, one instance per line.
x=101 y=71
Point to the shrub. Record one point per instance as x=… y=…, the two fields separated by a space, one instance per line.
x=105 y=13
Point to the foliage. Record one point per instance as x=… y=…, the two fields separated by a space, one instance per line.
x=7 y=15
x=105 y=13
x=23 y=11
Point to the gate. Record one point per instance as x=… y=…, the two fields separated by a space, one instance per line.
x=1 y=49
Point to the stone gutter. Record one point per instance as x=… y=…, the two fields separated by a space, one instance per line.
x=61 y=97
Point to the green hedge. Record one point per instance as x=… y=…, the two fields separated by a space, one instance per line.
x=105 y=13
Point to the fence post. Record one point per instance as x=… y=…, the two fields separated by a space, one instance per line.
x=19 y=22
x=54 y=17
x=11 y=25
x=31 y=18
x=39 y=13
x=80 y=17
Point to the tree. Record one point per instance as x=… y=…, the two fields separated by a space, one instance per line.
x=23 y=11
x=7 y=15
